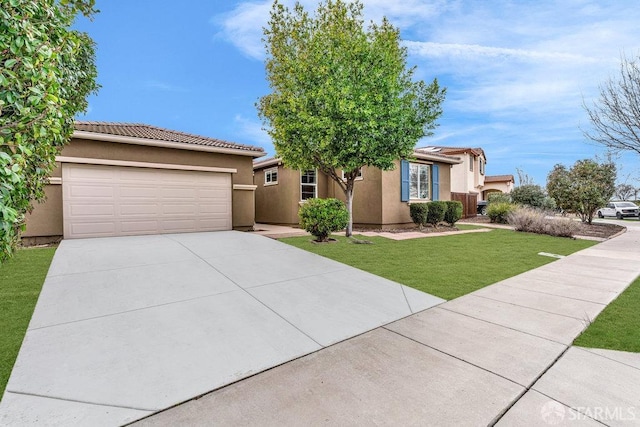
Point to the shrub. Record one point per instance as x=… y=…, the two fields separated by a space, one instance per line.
x=498 y=198
x=530 y=195
x=453 y=212
x=418 y=212
x=435 y=213
x=534 y=221
x=321 y=217
x=498 y=212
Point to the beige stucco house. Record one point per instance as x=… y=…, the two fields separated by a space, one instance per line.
x=381 y=198
x=116 y=179
x=469 y=182
x=497 y=183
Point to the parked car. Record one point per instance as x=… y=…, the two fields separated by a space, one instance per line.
x=619 y=210
x=482 y=207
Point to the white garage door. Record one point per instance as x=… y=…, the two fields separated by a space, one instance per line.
x=100 y=201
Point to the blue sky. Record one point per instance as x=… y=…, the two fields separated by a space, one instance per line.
x=516 y=72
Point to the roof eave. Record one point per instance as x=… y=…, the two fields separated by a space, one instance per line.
x=266 y=163
x=98 y=136
x=440 y=158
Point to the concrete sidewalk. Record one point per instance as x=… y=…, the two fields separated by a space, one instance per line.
x=499 y=355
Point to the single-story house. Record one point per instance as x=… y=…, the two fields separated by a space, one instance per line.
x=497 y=183
x=119 y=179
x=381 y=198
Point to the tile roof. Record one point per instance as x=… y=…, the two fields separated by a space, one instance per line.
x=498 y=178
x=143 y=131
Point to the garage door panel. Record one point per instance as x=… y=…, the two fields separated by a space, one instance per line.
x=100 y=200
x=179 y=193
x=92 y=191
x=127 y=210
x=95 y=228
x=128 y=227
x=92 y=210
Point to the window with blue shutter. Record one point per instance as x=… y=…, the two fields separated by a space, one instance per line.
x=435 y=182
x=404 y=180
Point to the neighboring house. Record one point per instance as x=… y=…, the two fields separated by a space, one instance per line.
x=468 y=176
x=117 y=179
x=381 y=198
x=497 y=183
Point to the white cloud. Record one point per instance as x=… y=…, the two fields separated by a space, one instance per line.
x=252 y=132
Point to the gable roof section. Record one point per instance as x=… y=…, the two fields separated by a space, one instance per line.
x=453 y=150
x=142 y=134
x=499 y=178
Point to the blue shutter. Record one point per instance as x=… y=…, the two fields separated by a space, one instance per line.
x=404 y=180
x=435 y=182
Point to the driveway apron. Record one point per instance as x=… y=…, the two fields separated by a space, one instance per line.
x=128 y=326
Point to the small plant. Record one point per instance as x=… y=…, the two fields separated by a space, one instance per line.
x=321 y=217
x=418 y=212
x=498 y=198
x=534 y=221
x=435 y=213
x=498 y=212
x=453 y=212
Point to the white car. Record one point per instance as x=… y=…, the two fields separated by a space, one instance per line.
x=619 y=210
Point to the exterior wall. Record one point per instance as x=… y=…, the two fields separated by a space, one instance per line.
x=277 y=203
x=465 y=181
x=376 y=202
x=395 y=212
x=46 y=218
x=367 y=197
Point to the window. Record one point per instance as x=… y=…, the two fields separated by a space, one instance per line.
x=472 y=158
x=481 y=167
x=357 y=177
x=271 y=176
x=308 y=184
x=419 y=182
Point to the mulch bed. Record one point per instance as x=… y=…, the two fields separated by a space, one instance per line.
x=599 y=230
x=427 y=229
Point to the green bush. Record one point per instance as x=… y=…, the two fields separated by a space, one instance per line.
x=321 y=217
x=453 y=212
x=418 y=212
x=435 y=213
x=496 y=197
x=498 y=212
x=528 y=195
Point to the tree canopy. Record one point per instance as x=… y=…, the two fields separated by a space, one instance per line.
x=342 y=95
x=584 y=188
x=47 y=72
x=615 y=116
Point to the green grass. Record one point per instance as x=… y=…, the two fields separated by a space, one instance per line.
x=618 y=326
x=447 y=266
x=21 y=279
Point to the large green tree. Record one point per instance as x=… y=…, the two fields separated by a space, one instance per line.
x=584 y=188
x=342 y=94
x=47 y=71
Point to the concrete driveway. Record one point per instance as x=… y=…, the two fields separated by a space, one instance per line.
x=127 y=326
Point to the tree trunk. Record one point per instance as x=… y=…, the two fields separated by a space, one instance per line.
x=349 y=196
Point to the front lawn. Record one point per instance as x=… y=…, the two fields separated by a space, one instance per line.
x=448 y=266
x=618 y=326
x=21 y=279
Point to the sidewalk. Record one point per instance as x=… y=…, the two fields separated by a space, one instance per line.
x=499 y=355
